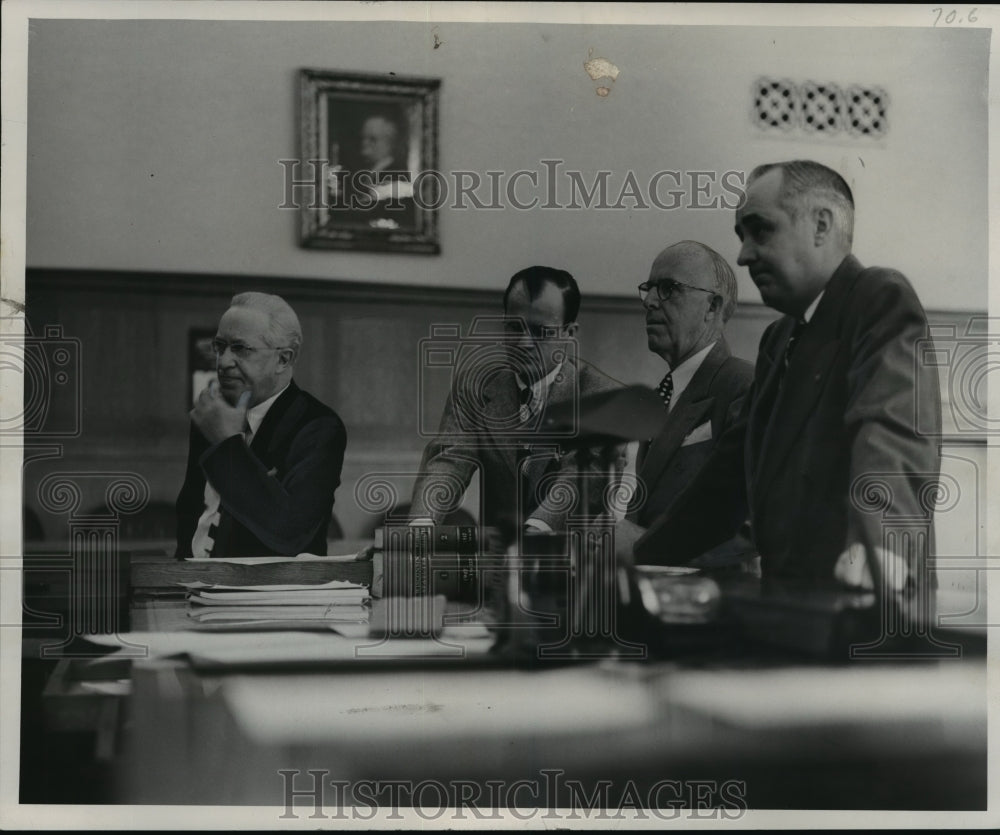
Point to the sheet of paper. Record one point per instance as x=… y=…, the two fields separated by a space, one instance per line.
x=168 y=644
x=342 y=642
x=206 y=614
x=410 y=706
x=281 y=598
x=198 y=585
x=269 y=560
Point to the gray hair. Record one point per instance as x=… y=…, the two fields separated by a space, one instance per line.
x=725 y=280
x=283 y=328
x=807 y=185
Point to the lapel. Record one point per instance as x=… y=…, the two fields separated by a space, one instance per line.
x=564 y=388
x=280 y=419
x=779 y=427
x=689 y=411
x=501 y=402
x=277 y=423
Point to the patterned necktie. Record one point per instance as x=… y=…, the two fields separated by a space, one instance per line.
x=666 y=389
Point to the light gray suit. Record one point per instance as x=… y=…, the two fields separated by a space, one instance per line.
x=479 y=431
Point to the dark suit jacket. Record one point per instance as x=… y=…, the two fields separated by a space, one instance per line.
x=480 y=436
x=668 y=464
x=831 y=455
x=276 y=494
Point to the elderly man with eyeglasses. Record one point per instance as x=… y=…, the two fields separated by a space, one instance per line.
x=688 y=298
x=265 y=457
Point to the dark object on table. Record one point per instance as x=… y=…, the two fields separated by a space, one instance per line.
x=632 y=413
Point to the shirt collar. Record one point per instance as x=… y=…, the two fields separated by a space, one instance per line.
x=539 y=387
x=255 y=415
x=812 y=308
x=682 y=375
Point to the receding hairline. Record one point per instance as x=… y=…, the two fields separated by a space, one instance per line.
x=791 y=194
x=687 y=251
x=702 y=257
x=804 y=185
x=282 y=322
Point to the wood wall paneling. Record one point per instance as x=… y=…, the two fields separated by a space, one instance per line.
x=361 y=355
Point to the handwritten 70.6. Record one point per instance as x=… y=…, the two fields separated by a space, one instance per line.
x=953 y=17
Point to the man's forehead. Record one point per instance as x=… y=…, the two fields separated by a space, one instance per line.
x=679 y=265
x=243 y=321
x=762 y=196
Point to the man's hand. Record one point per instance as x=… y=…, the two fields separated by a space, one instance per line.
x=626 y=535
x=216 y=419
x=852 y=569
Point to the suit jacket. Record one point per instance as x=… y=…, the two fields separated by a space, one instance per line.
x=669 y=462
x=477 y=433
x=838 y=448
x=277 y=494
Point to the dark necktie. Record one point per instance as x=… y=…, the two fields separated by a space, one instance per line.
x=792 y=340
x=666 y=389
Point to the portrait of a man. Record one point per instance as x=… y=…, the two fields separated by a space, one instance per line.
x=371 y=138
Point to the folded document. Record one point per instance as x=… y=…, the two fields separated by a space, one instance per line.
x=333 y=613
x=336 y=592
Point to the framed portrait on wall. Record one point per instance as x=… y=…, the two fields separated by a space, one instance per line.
x=369 y=146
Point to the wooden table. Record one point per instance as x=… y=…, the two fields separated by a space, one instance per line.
x=220 y=726
x=902 y=737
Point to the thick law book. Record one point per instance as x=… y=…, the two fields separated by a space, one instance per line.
x=418 y=560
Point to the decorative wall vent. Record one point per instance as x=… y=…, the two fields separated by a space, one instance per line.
x=815 y=108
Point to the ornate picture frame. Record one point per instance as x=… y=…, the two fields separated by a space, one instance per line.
x=366 y=142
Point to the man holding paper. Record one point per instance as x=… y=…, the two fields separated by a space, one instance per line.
x=265 y=457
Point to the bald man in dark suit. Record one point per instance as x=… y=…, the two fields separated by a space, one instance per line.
x=839 y=436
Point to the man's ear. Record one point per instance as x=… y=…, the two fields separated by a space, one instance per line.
x=822 y=225
x=571 y=328
x=286 y=358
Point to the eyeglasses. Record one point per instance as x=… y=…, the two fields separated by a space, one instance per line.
x=239 y=349
x=667 y=289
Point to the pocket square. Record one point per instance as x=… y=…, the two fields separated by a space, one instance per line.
x=698 y=434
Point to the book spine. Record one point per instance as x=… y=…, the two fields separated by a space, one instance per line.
x=421 y=559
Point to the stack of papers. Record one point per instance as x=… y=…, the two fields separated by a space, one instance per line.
x=338 y=601
x=238 y=614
